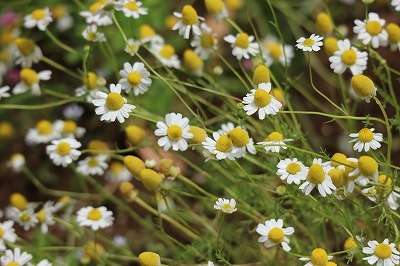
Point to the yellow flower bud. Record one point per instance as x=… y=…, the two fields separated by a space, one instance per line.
x=150 y=179
x=324 y=23
x=6 y=130
x=128 y=191
x=330 y=45
x=18 y=201
x=98 y=146
x=199 y=135
x=170 y=21
x=134 y=164
x=149 y=259
x=135 y=135
x=261 y=75
x=165 y=165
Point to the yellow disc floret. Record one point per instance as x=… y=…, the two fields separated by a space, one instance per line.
x=373 y=27
x=393 y=31
x=134 y=164
x=150 y=179
x=293 y=168
x=274 y=136
x=214 y=6
x=69 y=127
x=316 y=174
x=189 y=15
x=276 y=235
x=261 y=98
x=224 y=143
x=191 y=60
x=367 y=165
x=308 y=42
x=25 y=46
x=206 y=40
x=167 y=51
x=29 y=76
x=132 y=6
x=90 y=80
x=98 y=146
x=134 y=78
x=170 y=21
x=38 y=14
x=6 y=130
x=199 y=135
x=338 y=159
x=319 y=257
x=383 y=251
x=239 y=137
x=146 y=31
x=135 y=134
x=63 y=148
x=362 y=85
x=349 y=57
x=94 y=250
x=165 y=166
x=174 y=132
x=338 y=178
x=387 y=182
x=44 y=127
x=41 y=215
x=95 y=214
x=242 y=40
x=350 y=243
x=275 y=50
x=18 y=201
x=365 y=135
x=261 y=75
x=324 y=23
x=114 y=101
x=330 y=45
x=149 y=259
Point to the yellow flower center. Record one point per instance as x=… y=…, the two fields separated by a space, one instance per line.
x=350 y=168
x=349 y=57
x=337 y=177
x=116 y=167
x=275 y=50
x=90 y=80
x=146 y=31
x=38 y=14
x=29 y=76
x=367 y=165
x=150 y=179
x=149 y=259
x=92 y=162
x=293 y=168
x=96 y=6
x=41 y=215
x=174 y=132
x=242 y=40
x=191 y=60
x=1 y=233
x=206 y=40
x=189 y=15
x=365 y=135
x=239 y=137
x=316 y=174
x=319 y=257
x=324 y=24
x=18 y=201
x=25 y=217
x=393 y=31
x=26 y=46
x=199 y=134
x=274 y=136
x=350 y=243
x=134 y=164
x=134 y=78
x=63 y=148
x=261 y=98
x=95 y=214
x=226 y=207
x=224 y=143
x=373 y=27
x=59 y=11
x=383 y=251
x=13 y=263
x=69 y=127
x=167 y=51
x=44 y=127
x=132 y=6
x=261 y=74
x=214 y=6
x=338 y=159
x=362 y=85
x=114 y=101
x=308 y=42
x=276 y=235
x=330 y=45
x=387 y=182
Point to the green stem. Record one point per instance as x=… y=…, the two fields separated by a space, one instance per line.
x=60 y=44
x=60 y=67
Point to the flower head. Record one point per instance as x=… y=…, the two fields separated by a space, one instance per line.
x=217 y=9
x=149 y=259
x=64 y=151
x=318 y=257
x=95 y=218
x=98 y=13
x=272 y=234
x=276 y=52
x=15 y=258
x=68 y=128
x=221 y=147
x=188 y=21
x=135 y=77
x=27 y=52
x=225 y=205
x=313 y=43
x=393 y=31
x=371 y=30
x=365 y=139
x=317 y=176
x=205 y=43
x=384 y=253
x=38 y=18
x=348 y=56
x=91 y=34
x=30 y=80
x=131 y=8
x=132 y=47
x=92 y=165
x=274 y=142
x=243 y=45
x=166 y=54
x=364 y=87
x=7 y=233
x=291 y=170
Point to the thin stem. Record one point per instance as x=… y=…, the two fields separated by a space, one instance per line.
x=60 y=44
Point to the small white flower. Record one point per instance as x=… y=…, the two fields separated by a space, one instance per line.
x=275 y=52
x=205 y=43
x=243 y=45
x=17 y=162
x=147 y=34
x=92 y=83
x=117 y=173
x=68 y=129
x=262 y=101
x=396 y=4
x=384 y=253
x=240 y=138
x=64 y=151
x=4 y=92
x=132 y=47
x=313 y=43
x=318 y=257
x=43 y=132
x=131 y=8
x=46 y=217
x=365 y=139
x=348 y=57
x=220 y=147
x=92 y=165
x=15 y=258
x=166 y=54
x=98 y=14
x=272 y=234
x=8 y=234
x=318 y=177
x=112 y=106
x=95 y=218
x=217 y=9
x=174 y=132
x=367 y=167
x=26 y=218
x=225 y=205
x=274 y=142
x=91 y=34
x=40 y=18
x=384 y=191
x=188 y=20
x=371 y=30
x=292 y=170
x=30 y=80
x=135 y=77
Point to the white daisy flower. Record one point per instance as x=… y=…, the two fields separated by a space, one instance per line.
x=217 y=9
x=393 y=31
x=95 y=218
x=91 y=34
x=188 y=20
x=384 y=191
x=15 y=258
x=92 y=83
x=40 y=18
x=117 y=173
x=262 y=101
x=365 y=139
x=16 y=162
x=68 y=129
x=4 y=92
x=363 y=87
x=371 y=30
x=225 y=205
x=166 y=54
x=112 y=106
x=240 y=138
x=7 y=234
x=131 y=8
x=274 y=142
x=147 y=34
x=313 y=43
x=26 y=52
x=132 y=47
x=292 y=170
x=272 y=234
x=26 y=218
x=396 y=4
x=30 y=80
x=318 y=177
x=64 y=151
x=62 y=17
x=348 y=57
x=353 y=179
x=46 y=217
x=135 y=77
x=43 y=132
x=221 y=147
x=318 y=257
x=275 y=52
x=367 y=167
x=384 y=253
x=243 y=45
x=174 y=132
x=205 y=43
x=92 y=165
x=98 y=13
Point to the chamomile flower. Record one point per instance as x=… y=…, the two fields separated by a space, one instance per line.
x=92 y=165
x=318 y=257
x=69 y=129
x=384 y=191
x=4 y=92
x=26 y=52
x=117 y=173
x=243 y=45
x=25 y=218
x=217 y=9
x=220 y=147
x=241 y=141
x=147 y=34
x=393 y=31
x=132 y=47
x=367 y=167
x=98 y=13
x=348 y=56
x=313 y=43
x=131 y=8
x=46 y=217
x=7 y=234
x=43 y=132
x=366 y=139
x=92 y=83
x=64 y=151
x=112 y=106
x=193 y=63
x=317 y=177
x=30 y=80
x=62 y=17
x=15 y=258
x=274 y=142
x=40 y=18
x=272 y=234
x=353 y=179
x=91 y=34
x=364 y=87
x=16 y=162
x=384 y=253
x=95 y=218
x=225 y=205
x=135 y=77
x=371 y=30
x=291 y=170
x=262 y=101
x=174 y=132
x=276 y=52
x=396 y=4
x=188 y=21
x=166 y=54
x=205 y=43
